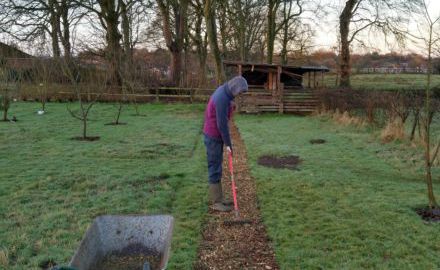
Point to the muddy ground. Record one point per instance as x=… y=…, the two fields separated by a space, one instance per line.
x=284 y=162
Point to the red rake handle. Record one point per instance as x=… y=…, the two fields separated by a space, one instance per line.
x=234 y=191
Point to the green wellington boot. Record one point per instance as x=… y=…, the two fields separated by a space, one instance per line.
x=216 y=196
x=227 y=202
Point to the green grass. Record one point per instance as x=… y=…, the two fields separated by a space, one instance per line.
x=384 y=81
x=350 y=206
x=51 y=187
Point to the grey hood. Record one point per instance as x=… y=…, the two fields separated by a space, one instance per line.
x=237 y=85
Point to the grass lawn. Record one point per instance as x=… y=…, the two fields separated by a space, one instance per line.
x=383 y=81
x=350 y=204
x=51 y=187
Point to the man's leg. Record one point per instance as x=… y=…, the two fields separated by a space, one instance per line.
x=214 y=150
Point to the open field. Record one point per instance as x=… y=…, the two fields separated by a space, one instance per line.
x=383 y=81
x=350 y=204
x=51 y=187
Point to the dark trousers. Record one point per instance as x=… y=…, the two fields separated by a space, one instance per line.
x=214 y=152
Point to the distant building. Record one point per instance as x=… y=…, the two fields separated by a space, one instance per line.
x=8 y=51
x=389 y=68
x=278 y=88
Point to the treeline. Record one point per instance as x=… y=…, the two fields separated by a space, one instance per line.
x=210 y=30
x=360 y=62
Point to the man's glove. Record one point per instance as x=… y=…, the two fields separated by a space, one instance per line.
x=229 y=149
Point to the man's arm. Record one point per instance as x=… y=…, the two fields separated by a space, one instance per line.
x=222 y=112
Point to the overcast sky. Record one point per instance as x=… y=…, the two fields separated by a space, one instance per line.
x=326 y=32
x=325 y=36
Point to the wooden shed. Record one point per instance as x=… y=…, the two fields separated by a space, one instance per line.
x=278 y=88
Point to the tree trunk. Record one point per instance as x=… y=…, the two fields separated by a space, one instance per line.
x=114 y=51
x=126 y=33
x=85 y=127
x=202 y=68
x=284 y=45
x=5 y=103
x=201 y=43
x=110 y=16
x=428 y=161
x=54 y=25
x=118 y=115
x=241 y=31
x=175 y=45
x=415 y=123
x=5 y=113
x=65 y=34
x=271 y=16
x=223 y=24
x=344 y=31
x=212 y=36
x=175 y=66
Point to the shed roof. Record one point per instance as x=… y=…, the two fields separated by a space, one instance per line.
x=273 y=67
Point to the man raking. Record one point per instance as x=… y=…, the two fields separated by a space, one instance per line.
x=216 y=132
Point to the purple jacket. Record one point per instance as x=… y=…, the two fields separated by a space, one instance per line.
x=218 y=113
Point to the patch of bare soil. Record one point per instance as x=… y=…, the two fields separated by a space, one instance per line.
x=86 y=139
x=317 y=141
x=286 y=162
x=239 y=246
x=428 y=214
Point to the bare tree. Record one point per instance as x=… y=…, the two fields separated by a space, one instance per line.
x=211 y=28
x=9 y=85
x=246 y=21
x=200 y=39
x=43 y=70
x=114 y=17
x=224 y=27
x=174 y=13
x=272 y=10
x=28 y=20
x=431 y=37
x=108 y=13
x=385 y=16
x=292 y=27
x=77 y=77
x=134 y=15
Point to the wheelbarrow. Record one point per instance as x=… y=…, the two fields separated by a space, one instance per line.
x=125 y=242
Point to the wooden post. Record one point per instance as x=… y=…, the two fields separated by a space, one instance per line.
x=309 y=76
x=269 y=81
x=279 y=90
x=191 y=95
x=157 y=94
x=314 y=79
x=240 y=70
x=238 y=103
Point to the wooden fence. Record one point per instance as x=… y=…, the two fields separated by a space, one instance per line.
x=141 y=95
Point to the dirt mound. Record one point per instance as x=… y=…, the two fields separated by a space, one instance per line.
x=317 y=141
x=286 y=162
x=432 y=215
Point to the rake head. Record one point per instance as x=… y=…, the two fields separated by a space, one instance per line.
x=237 y=222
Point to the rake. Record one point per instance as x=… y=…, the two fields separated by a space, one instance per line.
x=237 y=220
